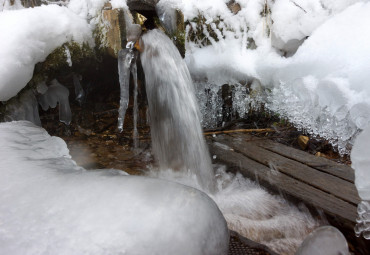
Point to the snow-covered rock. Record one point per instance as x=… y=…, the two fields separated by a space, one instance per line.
x=48 y=205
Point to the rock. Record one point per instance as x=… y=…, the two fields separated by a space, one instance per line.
x=303 y=141
x=113 y=27
x=233 y=7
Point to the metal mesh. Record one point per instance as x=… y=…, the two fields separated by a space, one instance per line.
x=239 y=245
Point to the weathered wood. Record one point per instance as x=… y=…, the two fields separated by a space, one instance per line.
x=264 y=130
x=319 y=163
x=320 y=180
x=281 y=182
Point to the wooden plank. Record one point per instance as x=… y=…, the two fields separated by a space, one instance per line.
x=281 y=182
x=320 y=180
x=319 y=163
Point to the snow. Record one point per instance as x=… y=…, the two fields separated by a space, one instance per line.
x=326 y=79
x=28 y=36
x=48 y=205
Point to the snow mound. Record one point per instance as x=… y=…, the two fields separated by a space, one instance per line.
x=323 y=87
x=48 y=205
x=28 y=36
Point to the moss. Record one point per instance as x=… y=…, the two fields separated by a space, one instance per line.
x=82 y=57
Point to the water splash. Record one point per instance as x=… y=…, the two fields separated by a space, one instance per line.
x=177 y=137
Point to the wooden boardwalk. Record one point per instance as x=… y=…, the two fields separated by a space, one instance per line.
x=318 y=182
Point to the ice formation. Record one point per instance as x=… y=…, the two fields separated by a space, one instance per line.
x=135 y=134
x=176 y=133
x=79 y=91
x=125 y=57
x=25 y=107
x=325 y=240
x=48 y=205
x=361 y=162
x=57 y=94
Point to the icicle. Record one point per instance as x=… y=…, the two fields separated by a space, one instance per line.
x=68 y=55
x=57 y=93
x=125 y=57
x=79 y=91
x=134 y=75
x=24 y=108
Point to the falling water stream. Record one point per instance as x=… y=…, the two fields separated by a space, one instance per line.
x=176 y=133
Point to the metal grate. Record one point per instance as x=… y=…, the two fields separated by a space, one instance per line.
x=239 y=245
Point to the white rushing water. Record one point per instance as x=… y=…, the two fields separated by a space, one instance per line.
x=176 y=133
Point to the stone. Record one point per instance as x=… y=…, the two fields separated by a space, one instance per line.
x=233 y=7
x=303 y=141
x=112 y=22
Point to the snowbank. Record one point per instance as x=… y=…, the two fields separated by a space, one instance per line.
x=28 y=36
x=319 y=83
x=324 y=88
x=48 y=205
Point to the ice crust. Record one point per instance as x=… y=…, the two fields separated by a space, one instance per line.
x=361 y=162
x=48 y=205
x=325 y=240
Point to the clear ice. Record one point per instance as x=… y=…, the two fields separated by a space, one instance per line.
x=23 y=108
x=79 y=91
x=325 y=240
x=125 y=57
x=361 y=162
x=55 y=94
x=135 y=134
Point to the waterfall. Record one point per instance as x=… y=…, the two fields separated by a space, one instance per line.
x=177 y=138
